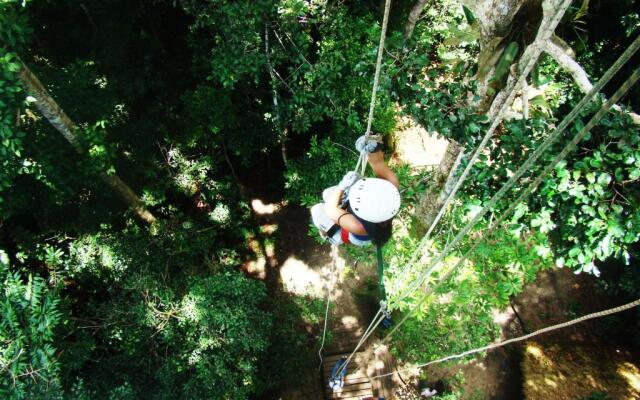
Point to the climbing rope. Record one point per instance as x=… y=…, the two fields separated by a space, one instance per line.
x=376 y=76
x=362 y=165
x=530 y=161
x=528 y=59
x=362 y=160
x=635 y=76
x=332 y=278
x=521 y=338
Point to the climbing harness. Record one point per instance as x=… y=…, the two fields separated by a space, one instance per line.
x=492 y=346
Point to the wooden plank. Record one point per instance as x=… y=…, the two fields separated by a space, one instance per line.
x=357 y=384
x=352 y=395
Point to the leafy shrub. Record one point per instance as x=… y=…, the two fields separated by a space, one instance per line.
x=459 y=315
x=159 y=332
x=215 y=339
x=11 y=145
x=30 y=314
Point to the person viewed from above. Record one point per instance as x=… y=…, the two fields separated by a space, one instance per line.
x=360 y=210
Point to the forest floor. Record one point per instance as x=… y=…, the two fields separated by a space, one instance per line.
x=572 y=363
x=298 y=264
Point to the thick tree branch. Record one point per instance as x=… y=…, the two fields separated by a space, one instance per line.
x=565 y=59
x=444 y=180
x=414 y=14
x=563 y=55
x=63 y=124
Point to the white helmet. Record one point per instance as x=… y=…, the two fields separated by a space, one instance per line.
x=374 y=200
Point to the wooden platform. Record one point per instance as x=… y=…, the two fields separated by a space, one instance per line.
x=356 y=385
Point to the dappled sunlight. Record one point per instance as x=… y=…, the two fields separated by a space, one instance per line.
x=535 y=351
x=299 y=278
x=631 y=374
x=572 y=371
x=480 y=365
x=419 y=148
x=257 y=268
x=349 y=322
x=260 y=208
x=268 y=229
x=592 y=380
x=502 y=318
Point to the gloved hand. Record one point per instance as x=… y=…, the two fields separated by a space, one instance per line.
x=367 y=146
x=348 y=180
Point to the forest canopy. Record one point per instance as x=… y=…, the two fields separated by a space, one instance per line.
x=134 y=134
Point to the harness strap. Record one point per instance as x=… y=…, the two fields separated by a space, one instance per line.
x=380 y=261
x=344 y=235
x=332 y=231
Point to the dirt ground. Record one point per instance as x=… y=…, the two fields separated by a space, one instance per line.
x=288 y=259
x=556 y=296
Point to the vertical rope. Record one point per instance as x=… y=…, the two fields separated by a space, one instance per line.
x=334 y=257
x=380 y=260
x=376 y=76
x=362 y=164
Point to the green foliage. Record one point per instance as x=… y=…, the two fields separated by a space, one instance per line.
x=209 y=328
x=596 y=204
x=14 y=29
x=11 y=137
x=178 y=98
x=433 y=79
x=589 y=205
x=460 y=314
x=30 y=313
x=101 y=153
x=215 y=338
x=237 y=50
x=323 y=166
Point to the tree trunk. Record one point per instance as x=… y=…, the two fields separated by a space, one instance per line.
x=63 y=124
x=498 y=20
x=433 y=198
x=414 y=14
